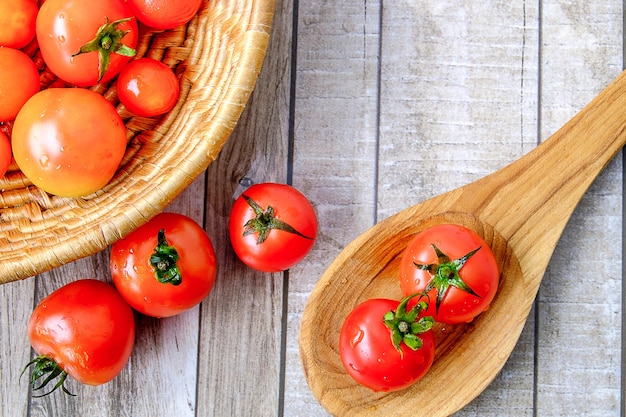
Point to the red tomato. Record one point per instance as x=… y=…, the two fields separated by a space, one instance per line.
x=164 y=14
x=455 y=267
x=78 y=37
x=68 y=141
x=147 y=87
x=5 y=153
x=272 y=227
x=385 y=347
x=165 y=266
x=84 y=330
x=17 y=22
x=19 y=81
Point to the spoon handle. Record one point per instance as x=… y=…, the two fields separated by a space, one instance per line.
x=530 y=201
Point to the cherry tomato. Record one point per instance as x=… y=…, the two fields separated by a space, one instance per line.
x=85 y=42
x=147 y=87
x=272 y=227
x=68 y=141
x=164 y=14
x=165 y=266
x=19 y=81
x=455 y=267
x=385 y=347
x=84 y=330
x=5 y=153
x=17 y=22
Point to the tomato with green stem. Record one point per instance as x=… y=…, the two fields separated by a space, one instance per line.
x=85 y=42
x=272 y=227
x=165 y=266
x=84 y=330
x=455 y=267
x=386 y=346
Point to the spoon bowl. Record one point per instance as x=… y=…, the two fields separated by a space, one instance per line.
x=520 y=211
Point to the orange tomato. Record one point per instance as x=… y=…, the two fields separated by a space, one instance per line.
x=19 y=81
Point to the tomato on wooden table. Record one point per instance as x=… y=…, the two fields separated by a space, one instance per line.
x=19 y=81
x=84 y=330
x=17 y=22
x=385 y=346
x=68 y=141
x=455 y=267
x=272 y=227
x=148 y=87
x=86 y=42
x=164 y=14
x=165 y=266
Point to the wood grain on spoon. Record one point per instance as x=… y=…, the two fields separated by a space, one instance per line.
x=520 y=211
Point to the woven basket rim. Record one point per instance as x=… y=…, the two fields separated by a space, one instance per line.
x=228 y=41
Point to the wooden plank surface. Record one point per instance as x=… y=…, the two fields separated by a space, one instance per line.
x=368 y=108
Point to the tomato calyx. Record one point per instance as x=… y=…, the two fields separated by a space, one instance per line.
x=406 y=326
x=108 y=40
x=47 y=368
x=445 y=274
x=164 y=261
x=265 y=221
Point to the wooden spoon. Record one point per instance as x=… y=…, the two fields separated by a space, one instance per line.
x=520 y=211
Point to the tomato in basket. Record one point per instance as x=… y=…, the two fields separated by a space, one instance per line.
x=86 y=42
x=19 y=81
x=68 y=141
x=17 y=22
x=83 y=329
x=164 y=14
x=5 y=153
x=147 y=87
x=165 y=266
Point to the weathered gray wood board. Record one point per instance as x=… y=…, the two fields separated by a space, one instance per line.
x=368 y=108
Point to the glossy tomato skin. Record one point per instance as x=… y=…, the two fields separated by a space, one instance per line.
x=369 y=356
x=64 y=26
x=17 y=22
x=135 y=279
x=68 y=141
x=19 y=81
x=147 y=87
x=480 y=272
x=86 y=328
x=164 y=14
x=5 y=153
x=281 y=250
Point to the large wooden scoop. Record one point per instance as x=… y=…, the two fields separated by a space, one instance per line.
x=520 y=210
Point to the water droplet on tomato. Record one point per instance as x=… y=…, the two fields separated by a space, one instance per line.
x=357 y=338
x=61 y=39
x=43 y=160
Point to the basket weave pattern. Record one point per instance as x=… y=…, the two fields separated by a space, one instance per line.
x=217 y=57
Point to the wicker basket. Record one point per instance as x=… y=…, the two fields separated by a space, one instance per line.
x=217 y=57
